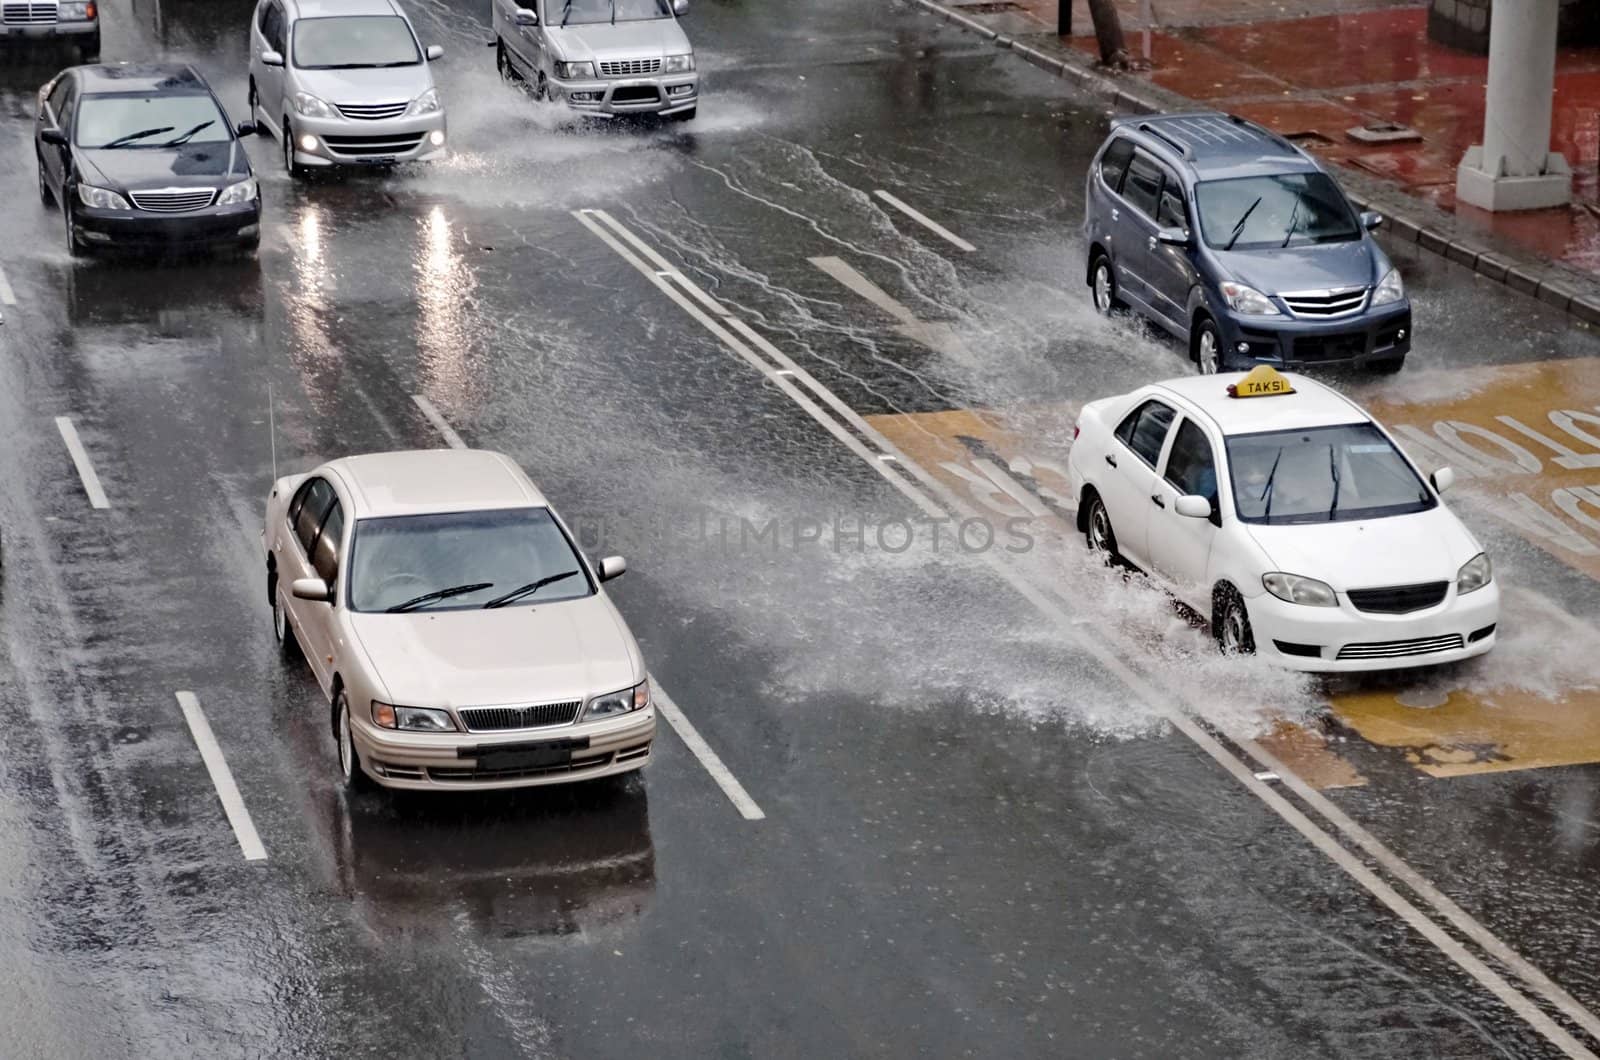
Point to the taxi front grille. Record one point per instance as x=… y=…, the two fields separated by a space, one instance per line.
x=1395 y=649
x=534 y=716
x=1399 y=599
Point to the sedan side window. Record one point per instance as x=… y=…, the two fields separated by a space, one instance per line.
x=1191 y=466
x=326 y=551
x=1145 y=429
x=314 y=500
x=1142 y=187
x=57 y=100
x=1114 y=163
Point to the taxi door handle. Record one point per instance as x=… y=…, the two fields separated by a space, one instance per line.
x=1155 y=498
x=1112 y=460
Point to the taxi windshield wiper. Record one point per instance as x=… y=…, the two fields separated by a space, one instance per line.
x=1333 y=472
x=178 y=141
x=439 y=594
x=1238 y=226
x=529 y=589
x=1266 y=491
x=1294 y=218
x=122 y=141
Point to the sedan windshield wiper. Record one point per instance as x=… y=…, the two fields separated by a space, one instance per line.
x=1238 y=226
x=529 y=589
x=439 y=594
x=140 y=135
x=180 y=140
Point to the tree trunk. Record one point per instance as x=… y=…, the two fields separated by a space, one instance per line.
x=1108 y=33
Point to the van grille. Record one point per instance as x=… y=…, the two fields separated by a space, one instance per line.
x=630 y=68
x=1326 y=303
x=395 y=144
x=173 y=200
x=1394 y=649
x=538 y=715
x=1399 y=599
x=28 y=14
x=372 y=111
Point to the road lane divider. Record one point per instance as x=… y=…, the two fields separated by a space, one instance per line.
x=1172 y=701
x=708 y=758
x=244 y=829
x=690 y=736
x=80 y=460
x=927 y=222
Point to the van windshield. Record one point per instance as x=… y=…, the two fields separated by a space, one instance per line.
x=354 y=42
x=1282 y=210
x=589 y=12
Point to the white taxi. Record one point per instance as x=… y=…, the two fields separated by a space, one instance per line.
x=1282 y=511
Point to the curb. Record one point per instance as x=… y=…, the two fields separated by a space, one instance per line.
x=1541 y=280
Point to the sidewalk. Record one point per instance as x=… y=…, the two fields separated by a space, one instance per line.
x=1315 y=69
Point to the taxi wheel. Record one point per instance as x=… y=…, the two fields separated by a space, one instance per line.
x=1206 y=350
x=1231 y=623
x=1097 y=529
x=349 y=761
x=1103 y=284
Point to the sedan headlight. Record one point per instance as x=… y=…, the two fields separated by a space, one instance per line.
x=101 y=198
x=1247 y=300
x=1474 y=574
x=427 y=103
x=1297 y=590
x=677 y=64
x=573 y=71
x=413 y=719
x=76 y=12
x=310 y=106
x=233 y=194
x=1389 y=289
x=614 y=703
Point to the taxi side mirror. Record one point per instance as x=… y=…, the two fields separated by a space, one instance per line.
x=612 y=567
x=1442 y=479
x=310 y=589
x=680 y=7
x=435 y=52
x=1193 y=506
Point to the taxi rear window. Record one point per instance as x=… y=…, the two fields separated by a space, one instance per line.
x=1322 y=475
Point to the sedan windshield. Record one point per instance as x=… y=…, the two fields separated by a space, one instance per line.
x=354 y=42
x=119 y=121
x=1321 y=475
x=462 y=560
x=1289 y=209
x=588 y=12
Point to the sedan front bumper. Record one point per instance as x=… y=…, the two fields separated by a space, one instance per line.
x=664 y=94
x=236 y=225
x=1342 y=639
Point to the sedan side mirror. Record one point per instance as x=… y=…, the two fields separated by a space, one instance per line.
x=1442 y=479
x=310 y=589
x=245 y=128
x=1371 y=220
x=271 y=58
x=680 y=7
x=53 y=135
x=1193 y=506
x=435 y=52
x=1173 y=237
x=612 y=567
x=525 y=16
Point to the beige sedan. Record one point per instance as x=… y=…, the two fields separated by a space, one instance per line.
x=461 y=638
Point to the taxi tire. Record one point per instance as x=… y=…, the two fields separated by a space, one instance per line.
x=1107 y=545
x=1228 y=607
x=353 y=778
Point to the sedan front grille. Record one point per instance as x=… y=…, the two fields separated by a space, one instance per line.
x=28 y=14
x=173 y=200
x=372 y=111
x=1395 y=649
x=1399 y=599
x=1326 y=303
x=395 y=144
x=630 y=68
x=535 y=716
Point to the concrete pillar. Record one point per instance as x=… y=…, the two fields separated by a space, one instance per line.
x=1514 y=168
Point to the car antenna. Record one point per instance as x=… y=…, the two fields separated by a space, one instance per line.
x=272 y=432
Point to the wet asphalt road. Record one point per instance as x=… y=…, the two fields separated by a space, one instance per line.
x=977 y=841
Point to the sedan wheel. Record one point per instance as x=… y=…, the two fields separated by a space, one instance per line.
x=349 y=762
x=290 y=166
x=502 y=62
x=1207 y=347
x=282 y=632
x=44 y=188
x=74 y=247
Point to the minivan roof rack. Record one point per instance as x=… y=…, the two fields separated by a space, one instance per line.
x=1275 y=137
x=1177 y=145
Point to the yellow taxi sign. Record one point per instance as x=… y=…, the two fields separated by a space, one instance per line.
x=1262 y=381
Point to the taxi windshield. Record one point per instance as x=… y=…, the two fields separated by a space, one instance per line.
x=1322 y=475
x=462 y=560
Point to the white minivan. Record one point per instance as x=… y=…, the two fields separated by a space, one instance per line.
x=343 y=82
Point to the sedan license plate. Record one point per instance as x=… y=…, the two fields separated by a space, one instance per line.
x=555 y=753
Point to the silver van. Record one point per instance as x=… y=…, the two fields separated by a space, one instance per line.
x=608 y=57
x=343 y=82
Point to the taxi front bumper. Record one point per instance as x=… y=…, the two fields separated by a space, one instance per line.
x=1344 y=640
x=453 y=761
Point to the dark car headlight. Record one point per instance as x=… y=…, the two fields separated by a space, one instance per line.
x=233 y=194
x=101 y=198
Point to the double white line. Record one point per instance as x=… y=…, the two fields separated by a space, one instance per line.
x=933 y=497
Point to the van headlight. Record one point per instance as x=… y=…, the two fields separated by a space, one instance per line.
x=101 y=198
x=614 y=703
x=233 y=194
x=1474 y=574
x=574 y=71
x=411 y=719
x=1247 y=300
x=1390 y=289
x=310 y=106
x=427 y=103
x=1297 y=590
x=677 y=64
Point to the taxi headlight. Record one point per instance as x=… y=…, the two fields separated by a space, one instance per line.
x=677 y=64
x=101 y=198
x=427 y=103
x=244 y=191
x=615 y=703
x=310 y=106
x=413 y=719
x=1390 y=289
x=1247 y=300
x=1297 y=590
x=573 y=71
x=1474 y=574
